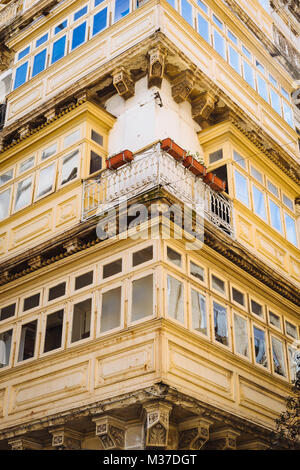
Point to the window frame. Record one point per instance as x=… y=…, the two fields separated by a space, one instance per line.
x=37 y=180
x=264 y=329
x=190 y=260
x=36 y=318
x=47 y=302
x=215 y=291
x=207 y=336
x=13 y=300
x=274 y=311
x=60 y=166
x=110 y=260
x=82 y=271
x=242 y=291
x=70 y=315
x=229 y=326
x=181 y=268
x=103 y=290
x=141 y=247
x=185 y=312
x=285 y=329
x=23 y=161
x=45 y=314
x=286 y=376
x=23 y=312
x=260 y=302
x=137 y=276
x=4 y=329
x=248 y=323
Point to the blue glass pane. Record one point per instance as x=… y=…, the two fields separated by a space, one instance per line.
x=241 y=188
x=121 y=9
x=78 y=35
x=234 y=59
x=262 y=88
x=219 y=44
x=172 y=3
x=80 y=13
x=61 y=26
x=41 y=40
x=23 y=53
x=246 y=52
x=260 y=347
x=202 y=6
x=100 y=20
x=97 y=2
x=58 y=49
x=220 y=323
x=203 y=28
x=186 y=11
x=39 y=62
x=232 y=37
x=259 y=203
x=275 y=101
x=290 y=227
x=287 y=114
x=249 y=74
x=21 y=75
x=218 y=22
x=275 y=216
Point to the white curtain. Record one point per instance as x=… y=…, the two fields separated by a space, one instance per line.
x=241 y=335
x=220 y=317
x=278 y=357
x=175 y=299
x=199 y=312
x=2 y=353
x=260 y=347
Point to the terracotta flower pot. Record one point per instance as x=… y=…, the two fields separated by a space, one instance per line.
x=215 y=182
x=119 y=159
x=168 y=145
x=194 y=166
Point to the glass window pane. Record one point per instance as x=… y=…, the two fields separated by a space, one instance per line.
x=78 y=37
x=260 y=66
x=248 y=74
x=239 y=159
x=23 y=197
x=262 y=88
x=292 y=365
x=7 y=311
x=5 y=177
x=217 y=284
x=197 y=271
x=142 y=298
x=97 y=2
x=291 y=330
x=80 y=13
x=232 y=37
x=172 y=3
x=260 y=347
x=290 y=227
x=173 y=256
x=46 y=180
x=175 y=299
x=275 y=101
x=256 y=174
x=21 y=75
x=23 y=53
x=31 y=302
x=60 y=27
x=247 y=53
x=26 y=165
x=53 y=335
x=57 y=291
x=241 y=188
x=187 y=12
x=203 y=28
x=199 y=319
x=202 y=6
x=4 y=203
x=70 y=167
x=121 y=9
x=274 y=319
x=48 y=152
x=219 y=44
x=58 y=50
x=96 y=137
x=278 y=357
x=238 y=296
x=99 y=22
x=275 y=215
x=272 y=80
x=27 y=341
x=71 y=138
x=234 y=59
x=259 y=202
x=288 y=202
x=95 y=162
x=41 y=40
x=220 y=324
x=5 y=347
x=215 y=156
x=81 y=320
x=39 y=62
x=111 y=309
x=112 y=268
x=84 y=280
x=273 y=189
x=217 y=22
x=285 y=93
x=142 y=256
x=241 y=335
x=288 y=114
x=256 y=308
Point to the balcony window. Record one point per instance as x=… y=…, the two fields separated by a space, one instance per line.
x=217 y=22
x=197 y=271
x=288 y=202
x=4 y=203
x=81 y=320
x=48 y=152
x=70 y=167
x=260 y=66
x=113 y=268
x=27 y=341
x=61 y=26
x=219 y=44
x=248 y=74
x=97 y=2
x=273 y=189
x=216 y=156
x=172 y=3
x=220 y=324
x=257 y=174
x=121 y=9
x=203 y=28
x=239 y=160
x=241 y=335
x=218 y=284
x=238 y=296
x=234 y=59
x=273 y=81
x=290 y=227
x=285 y=94
x=21 y=75
x=96 y=137
x=142 y=298
x=246 y=52
x=256 y=308
x=71 y=138
x=202 y=6
x=84 y=280
x=95 y=162
x=5 y=347
x=278 y=357
x=54 y=327
x=59 y=49
x=39 y=62
x=31 y=302
x=57 y=291
x=111 y=309
x=187 y=11
x=24 y=53
x=24 y=192
x=81 y=12
x=241 y=188
x=7 y=176
x=142 y=256
x=259 y=202
x=41 y=40
x=199 y=316
x=291 y=330
x=26 y=165
x=46 y=181
x=99 y=21
x=175 y=299
x=288 y=114
x=262 y=88
x=232 y=37
x=173 y=256
x=275 y=101
x=79 y=36
x=260 y=347
x=274 y=320
x=291 y=353
x=7 y=311
x=275 y=216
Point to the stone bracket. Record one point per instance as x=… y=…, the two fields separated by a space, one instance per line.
x=5 y=57
x=111 y=432
x=225 y=439
x=157 y=424
x=72 y=246
x=203 y=106
x=182 y=86
x=194 y=433
x=156 y=66
x=21 y=443
x=65 y=439
x=123 y=82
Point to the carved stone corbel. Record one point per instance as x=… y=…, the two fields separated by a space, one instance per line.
x=156 y=66
x=65 y=439
x=35 y=262
x=4 y=276
x=157 y=424
x=24 y=131
x=194 y=433
x=123 y=83
x=203 y=106
x=224 y=439
x=50 y=114
x=111 y=432
x=83 y=95
x=72 y=245
x=182 y=86
x=20 y=443
x=5 y=57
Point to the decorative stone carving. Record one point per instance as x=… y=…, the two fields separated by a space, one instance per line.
x=194 y=433
x=156 y=66
x=203 y=106
x=182 y=86
x=123 y=83
x=254 y=444
x=224 y=439
x=50 y=114
x=65 y=439
x=5 y=57
x=157 y=424
x=111 y=432
x=4 y=277
x=83 y=95
x=24 y=131
x=72 y=245
x=24 y=444
x=35 y=262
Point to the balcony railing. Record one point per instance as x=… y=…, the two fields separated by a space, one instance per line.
x=151 y=169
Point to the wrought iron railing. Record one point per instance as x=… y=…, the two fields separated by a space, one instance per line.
x=150 y=169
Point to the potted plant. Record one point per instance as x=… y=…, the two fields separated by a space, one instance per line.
x=214 y=182
x=115 y=161
x=195 y=164
x=168 y=145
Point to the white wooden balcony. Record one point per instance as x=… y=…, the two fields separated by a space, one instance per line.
x=154 y=168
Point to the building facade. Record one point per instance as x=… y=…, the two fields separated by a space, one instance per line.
x=120 y=326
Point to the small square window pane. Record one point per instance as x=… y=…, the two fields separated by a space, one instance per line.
x=95 y=162
x=80 y=13
x=121 y=9
x=275 y=101
x=54 y=327
x=71 y=138
x=262 y=88
x=217 y=22
x=256 y=308
x=246 y=52
x=199 y=316
x=203 y=28
x=7 y=311
x=41 y=40
x=175 y=299
x=31 y=302
x=215 y=156
x=197 y=271
x=5 y=347
x=202 y=6
x=288 y=114
x=27 y=341
x=81 y=320
x=173 y=256
x=291 y=330
x=84 y=280
x=24 y=52
x=58 y=50
x=5 y=177
x=273 y=189
x=100 y=21
x=142 y=256
x=285 y=93
x=112 y=268
x=278 y=357
x=288 y=202
x=26 y=165
x=23 y=196
x=142 y=298
x=46 y=180
x=238 y=296
x=39 y=62
x=70 y=167
x=260 y=347
x=61 y=26
x=57 y=291
x=256 y=174
x=234 y=59
x=272 y=80
x=239 y=159
x=232 y=37
x=111 y=310
x=4 y=203
x=274 y=319
x=78 y=36
x=48 y=152
x=220 y=323
x=218 y=284
x=96 y=137
x=260 y=66
x=241 y=335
